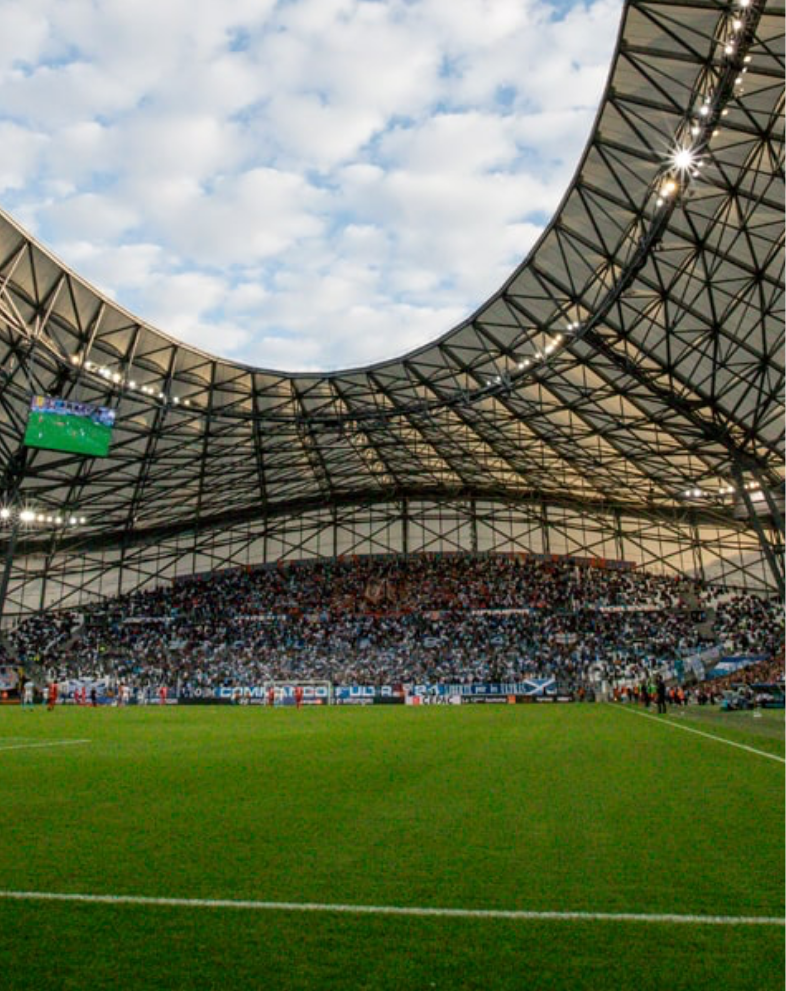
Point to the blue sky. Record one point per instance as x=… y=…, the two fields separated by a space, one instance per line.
x=310 y=184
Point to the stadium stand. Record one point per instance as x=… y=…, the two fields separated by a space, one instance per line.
x=448 y=619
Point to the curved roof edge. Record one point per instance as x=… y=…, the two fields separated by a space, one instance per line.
x=635 y=358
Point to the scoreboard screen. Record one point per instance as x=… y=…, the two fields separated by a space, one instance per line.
x=62 y=425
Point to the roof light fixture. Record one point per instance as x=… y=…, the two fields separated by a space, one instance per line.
x=683 y=158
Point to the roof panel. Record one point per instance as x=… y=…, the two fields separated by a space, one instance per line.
x=638 y=345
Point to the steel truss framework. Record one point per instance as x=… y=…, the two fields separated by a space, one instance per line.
x=635 y=356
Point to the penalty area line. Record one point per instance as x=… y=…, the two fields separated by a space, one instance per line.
x=50 y=743
x=455 y=913
x=699 y=732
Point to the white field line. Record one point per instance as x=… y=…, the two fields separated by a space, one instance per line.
x=454 y=913
x=689 y=729
x=50 y=743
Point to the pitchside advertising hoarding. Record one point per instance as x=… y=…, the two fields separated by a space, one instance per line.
x=533 y=690
x=530 y=690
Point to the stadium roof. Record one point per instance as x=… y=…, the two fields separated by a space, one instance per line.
x=635 y=356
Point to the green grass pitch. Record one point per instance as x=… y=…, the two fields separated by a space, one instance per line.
x=540 y=808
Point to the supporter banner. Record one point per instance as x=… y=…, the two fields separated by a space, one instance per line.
x=138 y=620
x=706 y=659
x=77 y=691
x=366 y=694
x=529 y=690
x=730 y=665
x=502 y=612
x=285 y=694
x=529 y=686
x=650 y=607
x=425 y=693
x=696 y=665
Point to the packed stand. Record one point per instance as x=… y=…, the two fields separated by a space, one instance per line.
x=449 y=619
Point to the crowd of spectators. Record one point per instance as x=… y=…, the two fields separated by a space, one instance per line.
x=767 y=672
x=424 y=619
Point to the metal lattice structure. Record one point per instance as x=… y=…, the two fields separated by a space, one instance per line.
x=620 y=396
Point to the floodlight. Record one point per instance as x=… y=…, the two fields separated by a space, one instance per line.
x=683 y=159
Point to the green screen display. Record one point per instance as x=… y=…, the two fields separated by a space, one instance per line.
x=60 y=425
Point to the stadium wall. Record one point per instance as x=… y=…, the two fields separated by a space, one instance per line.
x=715 y=553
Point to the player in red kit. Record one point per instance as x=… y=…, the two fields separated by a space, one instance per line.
x=162 y=695
x=271 y=696
x=51 y=700
x=298 y=696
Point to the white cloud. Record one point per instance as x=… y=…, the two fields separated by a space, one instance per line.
x=312 y=184
x=22 y=150
x=126 y=267
x=95 y=216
